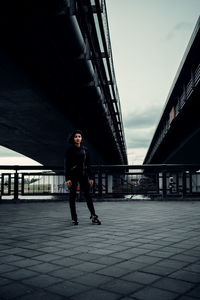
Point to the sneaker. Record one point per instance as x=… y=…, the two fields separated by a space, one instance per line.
x=95 y=220
x=74 y=222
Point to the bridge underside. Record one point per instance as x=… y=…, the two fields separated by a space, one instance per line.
x=47 y=88
x=177 y=137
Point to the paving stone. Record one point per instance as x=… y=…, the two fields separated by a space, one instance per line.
x=29 y=253
x=67 y=288
x=50 y=249
x=44 y=268
x=66 y=261
x=4 y=281
x=173 y=285
x=47 y=257
x=185 y=258
x=186 y=298
x=138 y=251
x=173 y=250
x=102 y=251
x=66 y=273
x=131 y=244
x=41 y=295
x=108 y=260
x=145 y=259
x=124 y=255
x=116 y=247
x=150 y=293
x=152 y=247
x=4 y=268
x=113 y=271
x=33 y=246
x=88 y=267
x=52 y=243
x=143 y=240
x=172 y=264
x=192 y=252
x=161 y=243
x=42 y=281
x=121 y=286
x=90 y=257
x=23 y=263
x=161 y=254
x=131 y=265
x=7 y=244
x=67 y=252
x=157 y=270
x=92 y=279
x=126 y=298
x=194 y=292
x=13 y=250
x=9 y=258
x=20 y=274
x=193 y=268
x=14 y=290
x=186 y=276
x=97 y=295
x=141 y=277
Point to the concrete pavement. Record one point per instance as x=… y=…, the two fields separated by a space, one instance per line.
x=143 y=250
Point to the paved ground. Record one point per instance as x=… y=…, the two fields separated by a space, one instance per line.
x=143 y=250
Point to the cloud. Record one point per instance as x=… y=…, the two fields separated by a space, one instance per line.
x=136 y=155
x=139 y=138
x=142 y=142
x=142 y=118
x=140 y=125
x=183 y=26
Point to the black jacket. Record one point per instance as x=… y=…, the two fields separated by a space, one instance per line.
x=77 y=163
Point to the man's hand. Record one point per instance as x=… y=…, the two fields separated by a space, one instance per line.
x=69 y=183
x=91 y=182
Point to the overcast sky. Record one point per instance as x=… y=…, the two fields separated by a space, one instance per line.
x=148 y=38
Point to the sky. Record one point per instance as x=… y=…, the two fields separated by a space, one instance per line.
x=148 y=38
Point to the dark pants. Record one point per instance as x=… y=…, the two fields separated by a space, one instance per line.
x=85 y=187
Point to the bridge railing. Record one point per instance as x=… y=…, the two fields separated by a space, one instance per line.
x=188 y=88
x=122 y=182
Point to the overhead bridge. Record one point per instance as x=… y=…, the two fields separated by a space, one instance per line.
x=177 y=136
x=57 y=74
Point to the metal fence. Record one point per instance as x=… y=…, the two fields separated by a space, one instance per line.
x=122 y=182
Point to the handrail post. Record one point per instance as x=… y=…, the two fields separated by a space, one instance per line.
x=183 y=184
x=22 y=187
x=16 y=186
x=157 y=183
x=1 y=187
x=164 y=184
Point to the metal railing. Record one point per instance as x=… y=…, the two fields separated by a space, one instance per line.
x=122 y=182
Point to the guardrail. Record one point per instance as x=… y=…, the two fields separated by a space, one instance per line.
x=122 y=182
